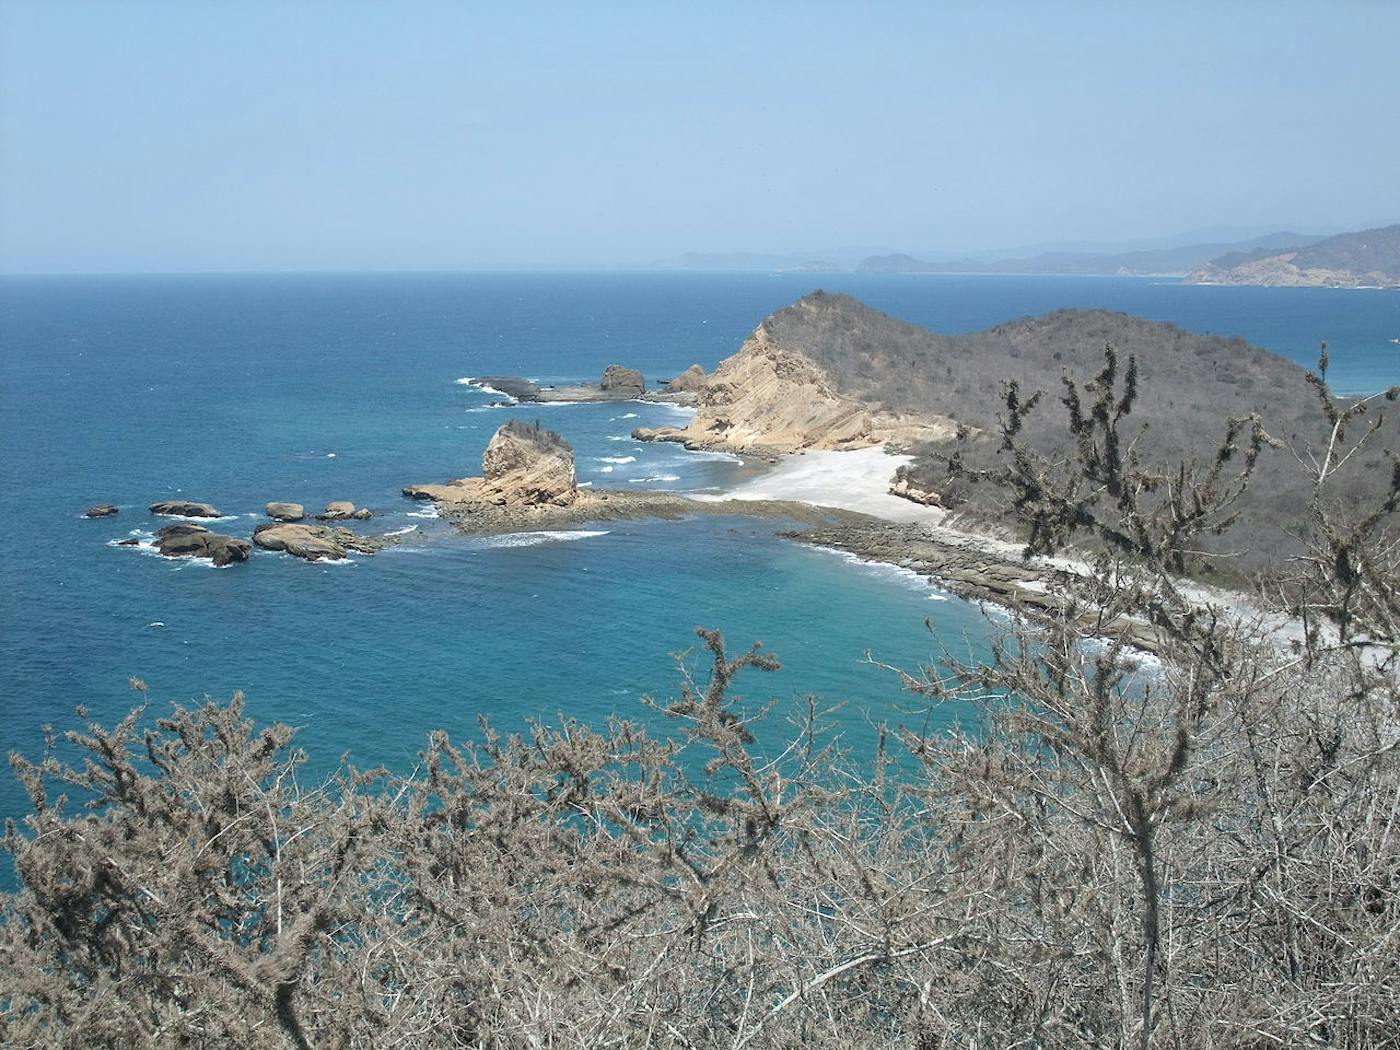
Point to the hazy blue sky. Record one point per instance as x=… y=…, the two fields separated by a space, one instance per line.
x=302 y=135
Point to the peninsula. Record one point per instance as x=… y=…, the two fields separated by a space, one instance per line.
x=1365 y=259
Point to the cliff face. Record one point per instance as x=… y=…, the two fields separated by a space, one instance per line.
x=772 y=397
x=523 y=466
x=1367 y=259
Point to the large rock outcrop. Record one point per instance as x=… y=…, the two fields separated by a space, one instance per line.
x=524 y=466
x=195 y=541
x=772 y=397
x=101 y=510
x=627 y=382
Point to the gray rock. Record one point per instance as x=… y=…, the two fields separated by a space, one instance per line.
x=184 y=509
x=100 y=510
x=195 y=541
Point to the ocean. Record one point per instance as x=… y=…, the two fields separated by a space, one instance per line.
x=241 y=389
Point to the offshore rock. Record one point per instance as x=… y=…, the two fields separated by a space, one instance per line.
x=626 y=381
x=195 y=541
x=318 y=542
x=101 y=510
x=523 y=466
x=286 y=511
x=184 y=509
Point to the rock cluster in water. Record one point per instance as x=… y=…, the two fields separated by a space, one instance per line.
x=524 y=466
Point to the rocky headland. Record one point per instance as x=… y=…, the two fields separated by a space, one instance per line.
x=1365 y=259
x=773 y=397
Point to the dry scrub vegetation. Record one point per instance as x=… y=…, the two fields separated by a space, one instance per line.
x=1203 y=852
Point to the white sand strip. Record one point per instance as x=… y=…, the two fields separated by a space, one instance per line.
x=857 y=480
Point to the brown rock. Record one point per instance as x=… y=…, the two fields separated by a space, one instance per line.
x=620 y=380
x=195 y=541
x=101 y=510
x=286 y=511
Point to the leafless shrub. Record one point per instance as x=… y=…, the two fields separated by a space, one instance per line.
x=1197 y=852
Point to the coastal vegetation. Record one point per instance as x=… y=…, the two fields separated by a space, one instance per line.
x=1202 y=850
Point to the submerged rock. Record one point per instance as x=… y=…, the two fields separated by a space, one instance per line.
x=286 y=511
x=195 y=541
x=317 y=542
x=101 y=510
x=184 y=509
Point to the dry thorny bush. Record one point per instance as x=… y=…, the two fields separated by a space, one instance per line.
x=1201 y=850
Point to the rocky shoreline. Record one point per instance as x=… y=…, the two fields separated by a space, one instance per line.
x=972 y=566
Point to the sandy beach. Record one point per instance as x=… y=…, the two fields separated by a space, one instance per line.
x=857 y=480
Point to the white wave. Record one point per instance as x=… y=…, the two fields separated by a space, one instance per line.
x=466 y=381
x=534 y=539
x=155 y=623
x=619 y=437
x=585 y=484
x=658 y=477
x=403 y=531
x=431 y=512
x=728 y=457
x=605 y=470
x=629 y=415
x=546 y=404
x=198 y=520
x=617 y=459
x=895 y=572
x=484 y=408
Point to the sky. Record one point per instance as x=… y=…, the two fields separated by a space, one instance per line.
x=241 y=135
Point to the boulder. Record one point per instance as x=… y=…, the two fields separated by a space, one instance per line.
x=286 y=511
x=195 y=541
x=343 y=510
x=317 y=542
x=619 y=380
x=184 y=509
x=100 y=510
x=691 y=380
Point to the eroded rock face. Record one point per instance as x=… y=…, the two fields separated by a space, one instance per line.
x=317 y=542
x=771 y=398
x=195 y=541
x=184 y=509
x=901 y=487
x=100 y=510
x=523 y=466
x=286 y=511
x=620 y=380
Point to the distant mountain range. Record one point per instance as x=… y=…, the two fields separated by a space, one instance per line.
x=1155 y=261
x=1365 y=259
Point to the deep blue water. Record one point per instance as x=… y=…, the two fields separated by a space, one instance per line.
x=242 y=389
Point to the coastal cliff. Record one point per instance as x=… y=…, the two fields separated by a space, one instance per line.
x=772 y=397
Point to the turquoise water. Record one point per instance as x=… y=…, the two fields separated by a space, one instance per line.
x=242 y=389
